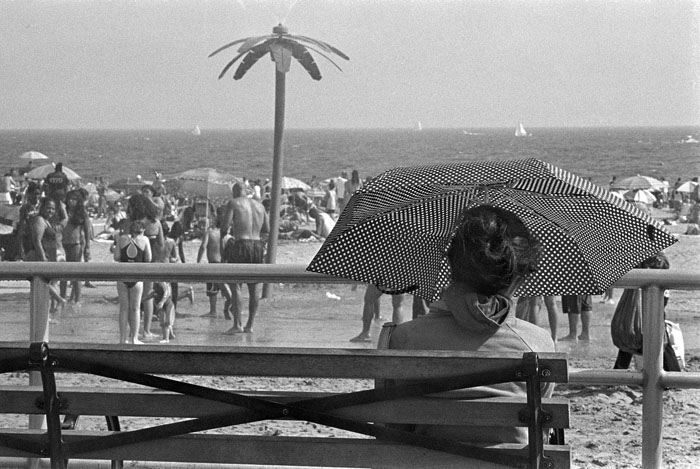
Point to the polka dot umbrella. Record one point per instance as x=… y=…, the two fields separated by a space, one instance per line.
x=396 y=230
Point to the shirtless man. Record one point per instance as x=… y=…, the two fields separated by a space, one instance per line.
x=248 y=222
x=211 y=244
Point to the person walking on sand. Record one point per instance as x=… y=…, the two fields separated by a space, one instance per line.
x=247 y=222
x=211 y=244
x=370 y=311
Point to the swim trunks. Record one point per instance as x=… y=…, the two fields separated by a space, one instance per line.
x=244 y=251
x=212 y=289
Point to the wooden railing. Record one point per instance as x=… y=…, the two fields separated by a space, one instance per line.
x=653 y=379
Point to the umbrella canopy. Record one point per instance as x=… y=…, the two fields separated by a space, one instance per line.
x=639 y=182
x=291 y=184
x=41 y=172
x=205 y=183
x=688 y=186
x=641 y=195
x=395 y=232
x=33 y=155
x=9 y=216
x=128 y=185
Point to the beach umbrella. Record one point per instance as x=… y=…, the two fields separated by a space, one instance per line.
x=640 y=195
x=128 y=185
x=688 y=186
x=9 y=216
x=206 y=183
x=395 y=231
x=41 y=172
x=33 y=155
x=281 y=46
x=638 y=182
x=291 y=184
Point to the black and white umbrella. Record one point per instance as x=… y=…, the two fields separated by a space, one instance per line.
x=396 y=230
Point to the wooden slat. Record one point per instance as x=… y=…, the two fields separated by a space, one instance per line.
x=151 y=403
x=293 y=362
x=326 y=452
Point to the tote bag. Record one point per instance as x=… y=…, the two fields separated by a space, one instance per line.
x=626 y=324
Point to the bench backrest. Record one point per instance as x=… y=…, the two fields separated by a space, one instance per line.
x=363 y=411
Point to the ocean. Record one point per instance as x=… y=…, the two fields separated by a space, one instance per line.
x=596 y=153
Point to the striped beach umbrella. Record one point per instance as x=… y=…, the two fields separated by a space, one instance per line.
x=638 y=182
x=395 y=231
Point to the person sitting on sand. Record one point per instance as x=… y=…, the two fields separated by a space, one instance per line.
x=247 y=221
x=324 y=222
x=491 y=253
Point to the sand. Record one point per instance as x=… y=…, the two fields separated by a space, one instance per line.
x=606 y=421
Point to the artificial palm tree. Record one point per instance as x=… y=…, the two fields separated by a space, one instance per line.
x=282 y=46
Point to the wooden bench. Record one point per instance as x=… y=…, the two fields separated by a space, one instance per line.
x=363 y=412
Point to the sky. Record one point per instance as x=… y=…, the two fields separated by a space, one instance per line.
x=143 y=64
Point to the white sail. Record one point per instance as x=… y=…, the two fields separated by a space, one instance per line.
x=520 y=131
x=196 y=131
x=419 y=126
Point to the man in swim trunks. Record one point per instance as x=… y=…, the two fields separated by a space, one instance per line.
x=247 y=222
x=211 y=244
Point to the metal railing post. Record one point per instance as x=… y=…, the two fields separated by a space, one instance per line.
x=38 y=332
x=653 y=328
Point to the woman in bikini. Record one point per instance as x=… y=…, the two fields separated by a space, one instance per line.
x=131 y=246
x=44 y=242
x=76 y=238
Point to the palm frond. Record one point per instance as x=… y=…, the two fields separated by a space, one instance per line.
x=304 y=57
x=226 y=46
x=325 y=57
x=323 y=45
x=252 y=41
x=229 y=65
x=251 y=58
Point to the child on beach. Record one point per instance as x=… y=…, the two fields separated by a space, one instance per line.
x=164 y=309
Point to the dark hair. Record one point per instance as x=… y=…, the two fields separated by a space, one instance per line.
x=141 y=207
x=59 y=167
x=490 y=248
x=77 y=214
x=33 y=187
x=657 y=261
x=148 y=187
x=135 y=226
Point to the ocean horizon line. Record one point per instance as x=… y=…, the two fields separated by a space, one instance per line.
x=325 y=129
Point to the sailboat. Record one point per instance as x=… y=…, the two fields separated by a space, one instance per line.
x=419 y=126
x=196 y=131
x=520 y=131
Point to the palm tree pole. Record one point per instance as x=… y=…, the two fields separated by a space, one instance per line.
x=282 y=46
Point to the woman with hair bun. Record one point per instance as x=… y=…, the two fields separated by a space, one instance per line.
x=490 y=254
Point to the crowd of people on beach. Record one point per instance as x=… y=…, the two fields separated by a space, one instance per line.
x=146 y=224
x=490 y=254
